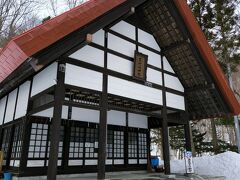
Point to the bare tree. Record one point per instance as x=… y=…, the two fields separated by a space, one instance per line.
x=15 y=16
x=73 y=3
x=54 y=7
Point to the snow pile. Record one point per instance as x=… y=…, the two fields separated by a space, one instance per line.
x=226 y=164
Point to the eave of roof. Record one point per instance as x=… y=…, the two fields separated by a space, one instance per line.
x=32 y=41
x=208 y=55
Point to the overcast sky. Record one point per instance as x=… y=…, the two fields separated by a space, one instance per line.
x=45 y=9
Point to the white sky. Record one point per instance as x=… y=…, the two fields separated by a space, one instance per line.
x=45 y=8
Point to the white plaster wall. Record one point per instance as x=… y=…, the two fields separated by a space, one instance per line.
x=137 y=121
x=125 y=29
x=98 y=37
x=118 y=161
x=116 y=118
x=45 y=113
x=2 y=108
x=83 y=77
x=132 y=161
x=147 y=39
x=44 y=79
x=173 y=82
x=86 y=115
x=10 y=106
x=120 y=45
x=90 y=162
x=65 y=112
x=90 y=55
x=154 y=76
x=167 y=66
x=132 y=90
x=153 y=58
x=142 y=161
x=35 y=163
x=175 y=101
x=22 y=101
x=75 y=162
x=119 y=64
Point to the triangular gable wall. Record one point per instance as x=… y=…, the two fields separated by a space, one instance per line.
x=123 y=40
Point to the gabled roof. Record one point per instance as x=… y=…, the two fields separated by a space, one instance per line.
x=175 y=29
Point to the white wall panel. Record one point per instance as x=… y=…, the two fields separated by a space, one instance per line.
x=175 y=101
x=87 y=115
x=153 y=58
x=2 y=108
x=35 y=163
x=132 y=161
x=138 y=121
x=132 y=90
x=44 y=79
x=22 y=101
x=142 y=161
x=118 y=161
x=125 y=29
x=120 y=45
x=167 y=66
x=45 y=113
x=11 y=106
x=116 y=118
x=147 y=39
x=98 y=37
x=119 y=64
x=90 y=55
x=173 y=82
x=154 y=76
x=109 y=161
x=65 y=112
x=75 y=162
x=83 y=77
x=90 y=162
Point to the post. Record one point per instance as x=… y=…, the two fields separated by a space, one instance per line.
x=187 y=136
x=236 y=122
x=165 y=141
x=165 y=133
x=102 y=141
x=56 y=122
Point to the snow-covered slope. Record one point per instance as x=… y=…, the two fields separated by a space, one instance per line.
x=226 y=164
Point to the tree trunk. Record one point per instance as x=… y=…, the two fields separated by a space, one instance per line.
x=214 y=137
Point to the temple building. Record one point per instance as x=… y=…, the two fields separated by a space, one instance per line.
x=81 y=92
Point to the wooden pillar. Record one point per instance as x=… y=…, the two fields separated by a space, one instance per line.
x=26 y=134
x=103 y=119
x=187 y=133
x=165 y=133
x=165 y=141
x=56 y=123
x=126 y=142
x=187 y=129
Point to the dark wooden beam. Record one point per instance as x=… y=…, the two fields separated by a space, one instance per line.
x=200 y=87
x=173 y=46
x=56 y=122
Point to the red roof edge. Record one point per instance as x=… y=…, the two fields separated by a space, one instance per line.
x=36 y=39
x=208 y=55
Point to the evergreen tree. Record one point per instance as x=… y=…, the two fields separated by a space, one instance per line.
x=219 y=21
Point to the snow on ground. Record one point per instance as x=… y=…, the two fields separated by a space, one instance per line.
x=226 y=164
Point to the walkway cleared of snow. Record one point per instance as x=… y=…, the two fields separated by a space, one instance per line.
x=226 y=164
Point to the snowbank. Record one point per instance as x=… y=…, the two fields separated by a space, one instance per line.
x=226 y=164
